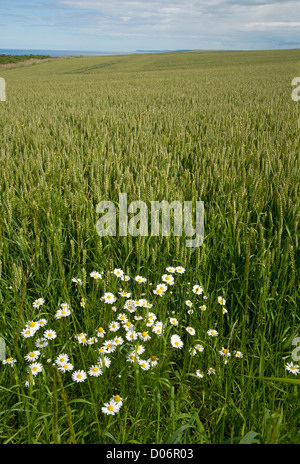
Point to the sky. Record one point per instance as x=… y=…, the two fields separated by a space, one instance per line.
x=130 y=25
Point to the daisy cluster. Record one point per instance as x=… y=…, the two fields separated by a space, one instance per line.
x=131 y=329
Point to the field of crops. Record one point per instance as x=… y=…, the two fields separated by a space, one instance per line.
x=207 y=358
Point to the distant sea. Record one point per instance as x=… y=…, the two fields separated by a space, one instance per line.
x=9 y=51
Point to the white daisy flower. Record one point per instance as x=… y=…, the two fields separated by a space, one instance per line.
x=118 y=272
x=162 y=287
x=114 y=326
x=35 y=368
x=109 y=346
x=79 y=376
x=92 y=340
x=203 y=308
x=221 y=301
x=118 y=341
x=180 y=270
x=111 y=408
x=211 y=371
x=191 y=330
x=131 y=335
x=212 y=333
x=197 y=289
x=153 y=361
x=32 y=356
x=224 y=310
x=77 y=281
x=62 y=359
x=173 y=321
x=41 y=343
x=171 y=269
x=144 y=336
x=95 y=371
x=199 y=348
x=96 y=275
x=176 y=342
x=294 y=369
x=27 y=332
x=109 y=298
x=190 y=311
x=104 y=361
x=38 y=303
x=199 y=374
x=9 y=361
x=101 y=332
x=66 y=367
x=117 y=399
x=238 y=354
x=189 y=303
x=225 y=352
x=140 y=279
x=169 y=279
x=132 y=356
x=49 y=334
x=145 y=365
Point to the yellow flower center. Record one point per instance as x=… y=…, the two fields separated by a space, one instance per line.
x=144 y=334
x=66 y=366
x=34 y=368
x=32 y=324
x=8 y=360
x=110 y=408
x=153 y=358
x=95 y=369
x=117 y=398
x=31 y=355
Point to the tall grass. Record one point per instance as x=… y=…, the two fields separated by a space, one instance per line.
x=212 y=126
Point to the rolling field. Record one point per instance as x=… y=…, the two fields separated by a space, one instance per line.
x=220 y=127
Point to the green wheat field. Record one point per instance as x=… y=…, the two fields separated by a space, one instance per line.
x=142 y=340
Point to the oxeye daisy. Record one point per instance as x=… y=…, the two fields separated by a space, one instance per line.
x=126 y=278
x=62 y=359
x=96 y=275
x=131 y=335
x=29 y=381
x=100 y=332
x=131 y=357
x=33 y=326
x=145 y=365
x=79 y=376
x=191 y=330
x=212 y=333
x=82 y=302
x=197 y=289
x=159 y=292
x=128 y=325
x=173 y=321
x=294 y=369
x=140 y=279
x=35 y=368
x=110 y=408
x=41 y=343
x=92 y=340
x=118 y=341
x=153 y=361
x=144 y=336
x=180 y=270
x=225 y=352
x=125 y=294
x=66 y=367
x=109 y=298
x=138 y=318
x=114 y=326
x=49 y=334
x=118 y=272
x=27 y=332
x=176 y=342
x=10 y=361
x=130 y=306
x=104 y=361
x=95 y=371
x=122 y=317
x=83 y=340
x=211 y=371
x=169 y=279
x=221 y=301
x=109 y=346
x=139 y=349
x=42 y=322
x=117 y=399
x=171 y=269
x=162 y=287
x=157 y=328
x=189 y=303
x=224 y=310
x=203 y=308
x=190 y=311
x=32 y=356
x=38 y=303
x=199 y=348
x=77 y=281
x=199 y=374
x=238 y=354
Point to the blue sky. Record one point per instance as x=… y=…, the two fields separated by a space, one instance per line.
x=129 y=25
